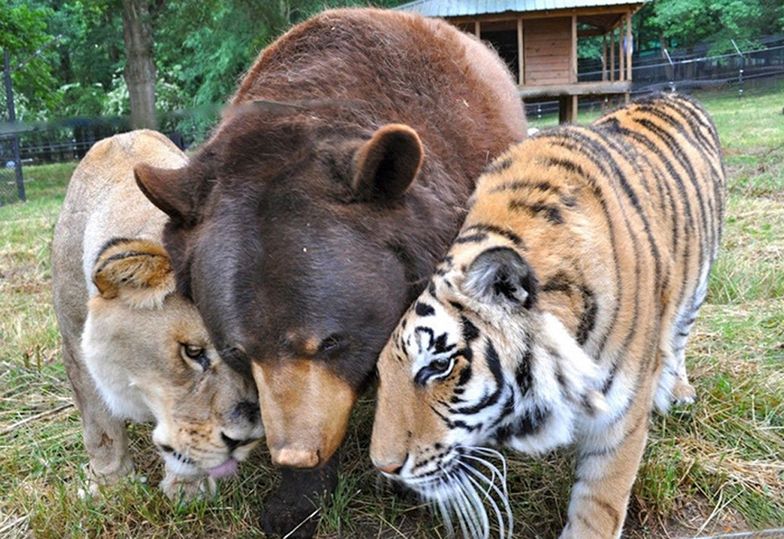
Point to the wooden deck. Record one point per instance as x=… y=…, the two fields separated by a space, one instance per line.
x=577 y=88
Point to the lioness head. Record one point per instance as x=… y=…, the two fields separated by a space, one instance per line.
x=151 y=358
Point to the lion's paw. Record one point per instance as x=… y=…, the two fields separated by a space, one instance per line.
x=184 y=488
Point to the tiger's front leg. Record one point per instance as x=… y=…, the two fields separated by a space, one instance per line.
x=607 y=464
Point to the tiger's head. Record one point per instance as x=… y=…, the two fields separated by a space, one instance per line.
x=476 y=361
x=151 y=358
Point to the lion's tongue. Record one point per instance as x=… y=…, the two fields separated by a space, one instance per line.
x=227 y=468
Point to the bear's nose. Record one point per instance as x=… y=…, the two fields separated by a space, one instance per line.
x=295 y=458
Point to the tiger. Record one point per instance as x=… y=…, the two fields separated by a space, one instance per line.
x=559 y=316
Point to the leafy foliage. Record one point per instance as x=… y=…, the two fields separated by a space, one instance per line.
x=202 y=48
x=686 y=22
x=23 y=33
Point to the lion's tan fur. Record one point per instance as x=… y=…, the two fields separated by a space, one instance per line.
x=123 y=325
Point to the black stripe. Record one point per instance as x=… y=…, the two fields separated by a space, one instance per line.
x=111 y=243
x=470 y=331
x=523 y=376
x=471 y=238
x=121 y=256
x=423 y=309
x=519 y=185
x=499 y=165
x=559 y=282
x=508 y=234
x=494 y=364
x=531 y=422
x=588 y=316
x=551 y=212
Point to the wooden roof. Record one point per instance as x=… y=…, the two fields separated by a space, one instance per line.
x=463 y=8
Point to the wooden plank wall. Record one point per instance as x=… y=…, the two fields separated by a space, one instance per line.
x=548 y=51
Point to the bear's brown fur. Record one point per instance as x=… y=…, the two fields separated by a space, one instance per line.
x=320 y=205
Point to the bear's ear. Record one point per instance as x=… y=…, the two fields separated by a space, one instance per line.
x=136 y=271
x=500 y=276
x=171 y=190
x=385 y=165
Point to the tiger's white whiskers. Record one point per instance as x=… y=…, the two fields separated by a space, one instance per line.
x=504 y=497
x=492 y=502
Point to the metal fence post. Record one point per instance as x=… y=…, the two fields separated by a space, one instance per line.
x=9 y=99
x=740 y=68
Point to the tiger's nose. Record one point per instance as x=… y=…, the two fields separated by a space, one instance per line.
x=392 y=466
x=391 y=469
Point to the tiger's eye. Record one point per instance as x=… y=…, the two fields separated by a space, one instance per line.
x=440 y=365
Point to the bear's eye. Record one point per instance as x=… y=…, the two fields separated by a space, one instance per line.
x=196 y=354
x=333 y=344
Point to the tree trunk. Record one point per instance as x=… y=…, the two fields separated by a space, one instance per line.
x=139 y=65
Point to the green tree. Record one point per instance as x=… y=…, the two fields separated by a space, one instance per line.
x=24 y=34
x=686 y=22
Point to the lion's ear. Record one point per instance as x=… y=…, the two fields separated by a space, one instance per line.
x=136 y=271
x=386 y=165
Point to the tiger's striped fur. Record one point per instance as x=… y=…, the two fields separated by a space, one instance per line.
x=561 y=313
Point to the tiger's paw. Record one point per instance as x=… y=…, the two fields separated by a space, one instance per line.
x=183 y=488
x=683 y=393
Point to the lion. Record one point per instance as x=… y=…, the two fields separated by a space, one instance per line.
x=134 y=348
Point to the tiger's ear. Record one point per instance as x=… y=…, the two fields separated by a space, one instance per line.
x=500 y=276
x=173 y=191
x=387 y=164
x=136 y=271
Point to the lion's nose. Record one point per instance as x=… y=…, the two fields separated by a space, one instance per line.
x=233 y=444
x=247 y=410
x=295 y=458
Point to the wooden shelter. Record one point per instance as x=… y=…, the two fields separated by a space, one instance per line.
x=538 y=40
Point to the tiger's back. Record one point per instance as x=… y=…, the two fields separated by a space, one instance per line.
x=581 y=242
x=637 y=197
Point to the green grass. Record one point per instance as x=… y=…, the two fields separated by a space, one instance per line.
x=711 y=467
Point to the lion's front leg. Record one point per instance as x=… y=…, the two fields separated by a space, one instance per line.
x=105 y=437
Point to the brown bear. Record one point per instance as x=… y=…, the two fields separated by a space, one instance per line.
x=319 y=207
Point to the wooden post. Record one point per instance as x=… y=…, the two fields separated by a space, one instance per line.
x=573 y=59
x=567 y=109
x=621 y=54
x=629 y=45
x=572 y=109
x=477 y=30
x=604 y=57
x=520 y=52
x=612 y=55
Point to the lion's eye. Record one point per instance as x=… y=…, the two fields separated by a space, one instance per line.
x=196 y=354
